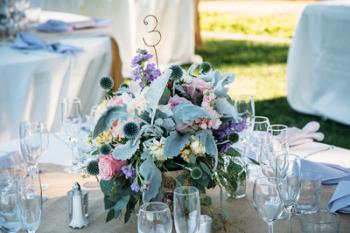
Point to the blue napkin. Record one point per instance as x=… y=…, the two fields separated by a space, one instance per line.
x=331 y=174
x=28 y=42
x=54 y=26
x=31 y=42
x=340 y=200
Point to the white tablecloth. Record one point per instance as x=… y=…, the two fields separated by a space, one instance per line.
x=318 y=72
x=176 y=23
x=33 y=83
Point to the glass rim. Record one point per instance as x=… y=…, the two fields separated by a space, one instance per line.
x=311 y=176
x=307 y=217
x=263 y=118
x=162 y=204
x=281 y=126
x=268 y=178
x=287 y=154
x=193 y=190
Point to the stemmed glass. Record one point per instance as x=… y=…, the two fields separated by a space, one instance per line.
x=34 y=141
x=9 y=221
x=267 y=161
x=154 y=217
x=266 y=200
x=186 y=209
x=29 y=201
x=258 y=136
x=71 y=121
x=288 y=169
x=279 y=137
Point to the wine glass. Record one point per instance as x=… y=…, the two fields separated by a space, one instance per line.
x=186 y=209
x=154 y=217
x=288 y=169
x=267 y=160
x=71 y=122
x=266 y=200
x=9 y=221
x=29 y=201
x=34 y=141
x=258 y=137
x=279 y=137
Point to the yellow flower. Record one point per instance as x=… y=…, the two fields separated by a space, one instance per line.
x=104 y=137
x=197 y=148
x=185 y=155
x=157 y=150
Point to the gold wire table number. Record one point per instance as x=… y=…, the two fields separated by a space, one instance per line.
x=146 y=21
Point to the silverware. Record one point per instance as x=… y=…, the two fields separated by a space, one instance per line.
x=319 y=151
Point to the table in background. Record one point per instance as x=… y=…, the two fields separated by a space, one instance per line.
x=177 y=23
x=33 y=83
x=318 y=72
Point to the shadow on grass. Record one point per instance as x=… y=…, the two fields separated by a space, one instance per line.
x=279 y=111
x=232 y=52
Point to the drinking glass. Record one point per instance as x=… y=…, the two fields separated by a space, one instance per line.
x=278 y=137
x=320 y=222
x=34 y=141
x=267 y=161
x=258 y=136
x=288 y=170
x=9 y=221
x=310 y=191
x=71 y=122
x=154 y=217
x=186 y=209
x=29 y=199
x=266 y=200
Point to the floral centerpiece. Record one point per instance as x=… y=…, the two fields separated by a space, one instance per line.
x=159 y=123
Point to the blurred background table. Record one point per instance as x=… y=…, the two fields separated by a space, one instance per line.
x=33 y=83
x=318 y=68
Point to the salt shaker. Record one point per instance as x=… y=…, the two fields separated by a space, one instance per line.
x=78 y=219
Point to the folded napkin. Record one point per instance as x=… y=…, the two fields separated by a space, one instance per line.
x=52 y=25
x=31 y=42
x=331 y=174
x=340 y=200
x=307 y=134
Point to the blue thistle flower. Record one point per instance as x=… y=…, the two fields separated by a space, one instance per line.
x=176 y=72
x=131 y=129
x=105 y=149
x=92 y=168
x=205 y=67
x=106 y=83
x=196 y=173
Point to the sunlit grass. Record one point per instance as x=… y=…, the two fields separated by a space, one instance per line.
x=268 y=25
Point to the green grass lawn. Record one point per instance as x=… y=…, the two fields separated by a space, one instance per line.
x=260 y=70
x=267 y=25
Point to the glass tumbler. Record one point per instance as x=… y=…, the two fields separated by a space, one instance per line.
x=309 y=197
x=320 y=222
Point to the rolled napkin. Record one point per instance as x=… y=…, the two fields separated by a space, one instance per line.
x=340 y=200
x=31 y=42
x=307 y=134
x=331 y=174
x=53 y=25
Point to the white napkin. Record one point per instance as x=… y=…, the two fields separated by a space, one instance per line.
x=340 y=200
x=307 y=134
x=331 y=174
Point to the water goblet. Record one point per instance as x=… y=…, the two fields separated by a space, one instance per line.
x=29 y=201
x=186 y=209
x=267 y=201
x=258 y=137
x=278 y=137
x=154 y=217
x=71 y=122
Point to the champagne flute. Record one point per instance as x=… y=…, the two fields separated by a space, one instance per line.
x=258 y=137
x=34 y=141
x=266 y=200
x=29 y=201
x=186 y=209
x=279 y=137
x=71 y=122
x=9 y=221
x=154 y=217
x=288 y=169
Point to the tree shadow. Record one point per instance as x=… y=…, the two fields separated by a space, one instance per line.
x=279 y=112
x=233 y=52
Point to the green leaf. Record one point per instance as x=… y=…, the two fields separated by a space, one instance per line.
x=186 y=112
x=205 y=168
x=175 y=143
x=126 y=151
x=150 y=172
x=108 y=203
x=233 y=152
x=165 y=97
x=110 y=215
x=121 y=203
x=192 y=159
x=105 y=121
x=106 y=186
x=207 y=140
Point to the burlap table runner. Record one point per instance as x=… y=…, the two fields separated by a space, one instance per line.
x=242 y=216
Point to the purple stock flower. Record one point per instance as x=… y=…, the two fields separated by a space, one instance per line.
x=151 y=72
x=225 y=147
x=241 y=125
x=129 y=172
x=141 y=57
x=146 y=185
x=135 y=187
x=136 y=73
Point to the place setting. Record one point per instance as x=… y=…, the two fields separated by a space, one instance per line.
x=170 y=146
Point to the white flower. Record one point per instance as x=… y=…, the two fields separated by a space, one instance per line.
x=197 y=147
x=157 y=149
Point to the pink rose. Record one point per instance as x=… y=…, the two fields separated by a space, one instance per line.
x=115 y=101
x=175 y=100
x=109 y=167
x=196 y=84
